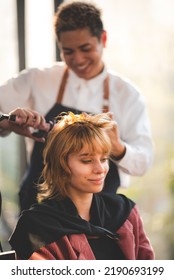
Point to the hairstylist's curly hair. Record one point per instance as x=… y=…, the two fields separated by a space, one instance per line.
x=70 y=135
x=78 y=15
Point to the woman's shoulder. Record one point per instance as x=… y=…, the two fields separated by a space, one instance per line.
x=115 y=208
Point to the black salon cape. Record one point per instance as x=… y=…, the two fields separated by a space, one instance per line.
x=53 y=219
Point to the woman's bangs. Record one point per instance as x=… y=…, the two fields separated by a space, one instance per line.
x=96 y=142
x=98 y=145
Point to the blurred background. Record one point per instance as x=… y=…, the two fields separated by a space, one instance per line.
x=140 y=47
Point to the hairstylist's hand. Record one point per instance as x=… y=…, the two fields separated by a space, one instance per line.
x=24 y=120
x=118 y=148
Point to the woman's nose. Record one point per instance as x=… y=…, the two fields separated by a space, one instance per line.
x=99 y=167
x=78 y=57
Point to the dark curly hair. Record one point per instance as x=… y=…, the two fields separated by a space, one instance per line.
x=78 y=15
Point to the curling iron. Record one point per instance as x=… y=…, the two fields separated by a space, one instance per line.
x=7 y=117
x=36 y=133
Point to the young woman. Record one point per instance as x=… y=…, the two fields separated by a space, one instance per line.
x=73 y=219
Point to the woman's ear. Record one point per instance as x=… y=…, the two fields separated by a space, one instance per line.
x=104 y=38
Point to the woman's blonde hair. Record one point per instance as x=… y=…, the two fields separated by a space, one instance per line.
x=71 y=133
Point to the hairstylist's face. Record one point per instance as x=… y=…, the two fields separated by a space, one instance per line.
x=88 y=172
x=82 y=52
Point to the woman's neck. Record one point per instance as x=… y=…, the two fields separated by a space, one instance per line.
x=83 y=205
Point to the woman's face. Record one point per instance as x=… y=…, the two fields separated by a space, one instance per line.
x=82 y=52
x=88 y=172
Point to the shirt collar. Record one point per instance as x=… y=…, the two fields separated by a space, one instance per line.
x=93 y=84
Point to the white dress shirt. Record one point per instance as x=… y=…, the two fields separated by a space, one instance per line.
x=38 y=88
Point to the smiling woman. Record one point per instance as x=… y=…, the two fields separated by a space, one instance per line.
x=77 y=144
x=73 y=213
x=82 y=53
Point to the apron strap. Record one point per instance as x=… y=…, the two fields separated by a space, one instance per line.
x=62 y=86
x=106 y=95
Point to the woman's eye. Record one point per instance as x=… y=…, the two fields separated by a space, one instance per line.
x=67 y=52
x=86 y=49
x=86 y=160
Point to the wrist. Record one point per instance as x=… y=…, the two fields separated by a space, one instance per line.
x=119 y=156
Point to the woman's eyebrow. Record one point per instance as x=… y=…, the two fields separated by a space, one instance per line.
x=84 y=154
